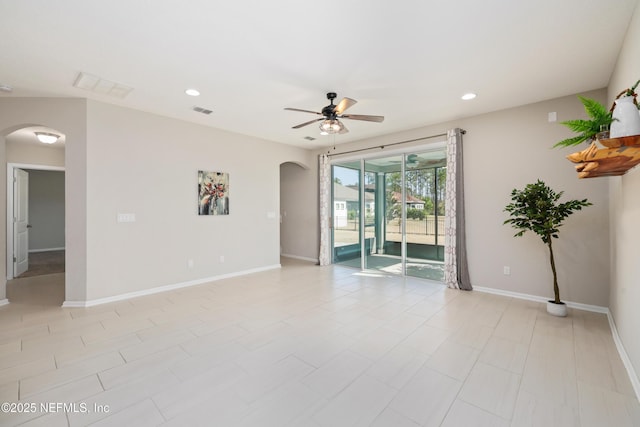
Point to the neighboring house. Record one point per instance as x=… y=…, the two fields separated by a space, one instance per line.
x=412 y=202
x=346 y=199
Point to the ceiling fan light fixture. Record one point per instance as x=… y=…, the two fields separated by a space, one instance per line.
x=330 y=126
x=328 y=118
x=46 y=137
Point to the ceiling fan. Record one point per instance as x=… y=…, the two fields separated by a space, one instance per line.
x=412 y=160
x=331 y=113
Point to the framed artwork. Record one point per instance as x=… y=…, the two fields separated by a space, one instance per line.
x=213 y=193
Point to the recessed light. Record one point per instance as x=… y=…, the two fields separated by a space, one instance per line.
x=468 y=96
x=192 y=92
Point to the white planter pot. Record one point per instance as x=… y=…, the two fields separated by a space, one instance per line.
x=628 y=119
x=554 y=309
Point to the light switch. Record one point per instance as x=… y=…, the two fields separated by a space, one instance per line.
x=126 y=217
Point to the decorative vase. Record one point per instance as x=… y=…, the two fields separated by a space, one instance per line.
x=626 y=118
x=220 y=206
x=554 y=309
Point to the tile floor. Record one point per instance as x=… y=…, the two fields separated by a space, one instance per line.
x=308 y=346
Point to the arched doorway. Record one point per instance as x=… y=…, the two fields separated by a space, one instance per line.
x=35 y=243
x=298 y=226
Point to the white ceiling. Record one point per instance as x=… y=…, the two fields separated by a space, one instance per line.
x=407 y=60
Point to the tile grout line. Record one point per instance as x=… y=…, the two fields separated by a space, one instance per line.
x=575 y=369
x=524 y=365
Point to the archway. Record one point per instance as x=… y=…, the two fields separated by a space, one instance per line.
x=298 y=226
x=35 y=233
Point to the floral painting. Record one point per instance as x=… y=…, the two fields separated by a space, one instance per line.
x=213 y=193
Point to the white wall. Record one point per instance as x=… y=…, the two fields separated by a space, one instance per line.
x=19 y=152
x=625 y=211
x=148 y=165
x=508 y=149
x=46 y=209
x=125 y=161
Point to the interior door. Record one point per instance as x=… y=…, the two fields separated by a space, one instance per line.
x=20 y=222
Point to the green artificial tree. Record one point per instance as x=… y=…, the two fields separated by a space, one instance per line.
x=536 y=208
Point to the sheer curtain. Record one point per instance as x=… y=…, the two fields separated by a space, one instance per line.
x=324 y=257
x=456 y=271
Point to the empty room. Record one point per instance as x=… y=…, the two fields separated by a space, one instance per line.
x=334 y=214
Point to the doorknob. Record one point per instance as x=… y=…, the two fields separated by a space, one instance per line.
x=29 y=226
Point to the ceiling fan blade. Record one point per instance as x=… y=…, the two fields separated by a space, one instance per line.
x=303 y=111
x=306 y=123
x=366 y=118
x=344 y=129
x=343 y=105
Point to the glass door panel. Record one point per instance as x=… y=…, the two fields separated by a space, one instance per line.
x=383 y=242
x=425 y=182
x=346 y=214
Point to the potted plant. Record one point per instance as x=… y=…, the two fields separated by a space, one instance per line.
x=588 y=130
x=625 y=113
x=536 y=208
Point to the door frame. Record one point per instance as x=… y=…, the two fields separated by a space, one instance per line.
x=9 y=242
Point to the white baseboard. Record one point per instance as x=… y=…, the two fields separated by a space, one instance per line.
x=302 y=258
x=536 y=298
x=4 y=302
x=504 y=293
x=33 y=251
x=136 y=294
x=633 y=376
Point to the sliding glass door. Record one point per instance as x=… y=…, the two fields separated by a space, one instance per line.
x=388 y=214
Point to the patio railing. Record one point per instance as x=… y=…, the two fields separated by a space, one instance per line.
x=425 y=226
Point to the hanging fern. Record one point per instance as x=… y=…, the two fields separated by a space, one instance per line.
x=601 y=118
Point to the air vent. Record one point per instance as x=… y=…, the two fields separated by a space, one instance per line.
x=309 y=138
x=99 y=85
x=202 y=110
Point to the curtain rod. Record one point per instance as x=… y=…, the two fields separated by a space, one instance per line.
x=392 y=144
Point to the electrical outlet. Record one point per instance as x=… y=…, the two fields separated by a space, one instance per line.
x=507 y=270
x=221 y=259
x=553 y=117
x=190 y=263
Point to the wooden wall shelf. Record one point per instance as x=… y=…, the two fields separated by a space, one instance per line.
x=620 y=155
